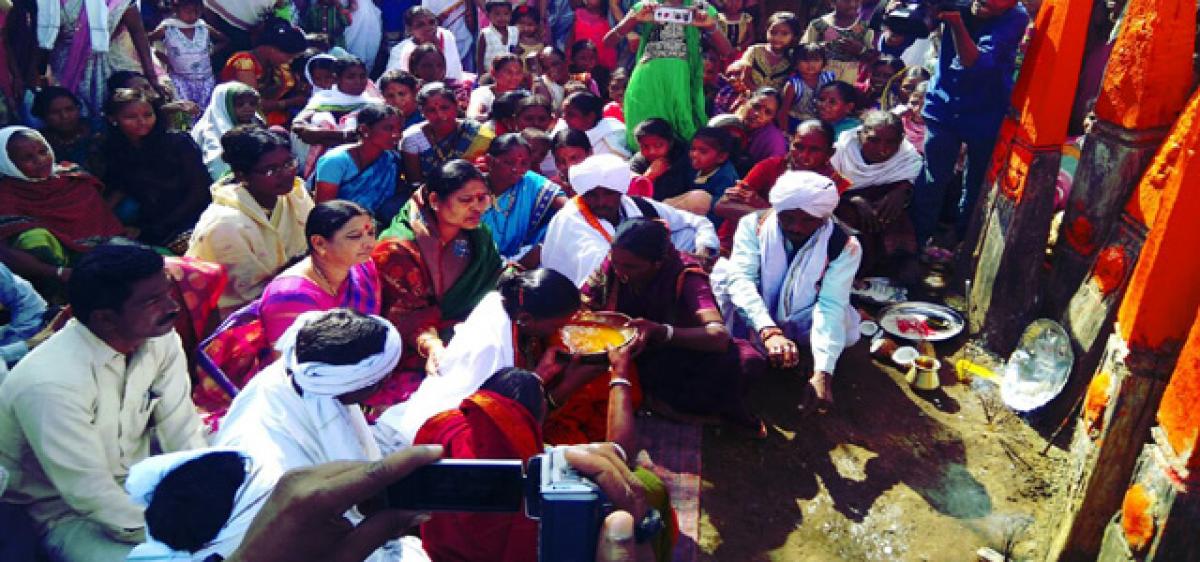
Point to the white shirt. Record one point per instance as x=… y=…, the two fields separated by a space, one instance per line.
x=398 y=56
x=494 y=47
x=75 y=415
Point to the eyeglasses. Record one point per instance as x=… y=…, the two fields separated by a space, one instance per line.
x=288 y=167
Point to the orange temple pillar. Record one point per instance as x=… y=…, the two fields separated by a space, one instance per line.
x=1161 y=506
x=1154 y=318
x=1015 y=222
x=1145 y=86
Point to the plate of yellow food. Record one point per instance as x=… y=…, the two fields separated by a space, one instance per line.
x=591 y=334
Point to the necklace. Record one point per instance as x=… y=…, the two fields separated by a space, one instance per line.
x=323 y=281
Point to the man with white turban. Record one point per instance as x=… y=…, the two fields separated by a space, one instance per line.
x=303 y=409
x=788 y=278
x=580 y=234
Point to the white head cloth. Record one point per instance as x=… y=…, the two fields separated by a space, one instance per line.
x=602 y=170
x=308 y=69
x=806 y=191
x=848 y=160
x=7 y=167
x=344 y=433
x=144 y=478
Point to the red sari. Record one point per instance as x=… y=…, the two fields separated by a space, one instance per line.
x=68 y=204
x=485 y=426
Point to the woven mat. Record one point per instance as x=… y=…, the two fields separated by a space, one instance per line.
x=674 y=448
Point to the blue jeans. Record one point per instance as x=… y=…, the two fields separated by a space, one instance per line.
x=942 y=145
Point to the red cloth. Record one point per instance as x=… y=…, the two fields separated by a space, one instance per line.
x=68 y=204
x=485 y=426
x=595 y=27
x=614 y=110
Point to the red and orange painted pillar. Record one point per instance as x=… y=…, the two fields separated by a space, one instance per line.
x=1155 y=316
x=1145 y=86
x=1015 y=221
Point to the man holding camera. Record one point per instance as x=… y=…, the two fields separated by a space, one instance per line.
x=966 y=102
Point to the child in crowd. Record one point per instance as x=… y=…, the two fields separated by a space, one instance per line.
x=539 y=148
x=616 y=94
x=881 y=90
x=662 y=159
x=423 y=29
x=399 y=90
x=553 y=80
x=846 y=39
x=529 y=39
x=177 y=115
x=329 y=17
x=838 y=105
x=507 y=75
x=570 y=147
x=592 y=24
x=318 y=70
x=907 y=82
x=498 y=37
x=712 y=171
x=233 y=103
x=189 y=42
x=584 y=111
x=736 y=25
x=910 y=116
x=584 y=67
x=504 y=113
x=770 y=63
x=800 y=92
x=536 y=111
x=429 y=65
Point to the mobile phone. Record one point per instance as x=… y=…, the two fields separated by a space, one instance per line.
x=462 y=485
x=664 y=14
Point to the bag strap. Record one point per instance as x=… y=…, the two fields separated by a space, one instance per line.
x=647 y=209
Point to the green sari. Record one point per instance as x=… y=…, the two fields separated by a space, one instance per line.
x=477 y=280
x=668 y=80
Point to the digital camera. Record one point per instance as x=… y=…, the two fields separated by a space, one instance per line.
x=911 y=19
x=569 y=508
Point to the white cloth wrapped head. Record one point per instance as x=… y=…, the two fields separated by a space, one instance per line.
x=806 y=191
x=602 y=170
x=7 y=166
x=322 y=379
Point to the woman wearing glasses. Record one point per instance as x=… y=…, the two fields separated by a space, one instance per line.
x=255 y=224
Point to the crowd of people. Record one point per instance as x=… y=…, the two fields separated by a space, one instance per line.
x=245 y=238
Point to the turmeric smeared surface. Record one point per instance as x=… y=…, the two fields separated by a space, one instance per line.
x=1136 y=519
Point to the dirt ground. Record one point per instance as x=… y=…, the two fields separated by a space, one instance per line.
x=889 y=474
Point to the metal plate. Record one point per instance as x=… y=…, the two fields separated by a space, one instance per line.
x=909 y=320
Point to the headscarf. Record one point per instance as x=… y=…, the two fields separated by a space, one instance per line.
x=308 y=69
x=344 y=431
x=7 y=167
x=219 y=115
x=601 y=170
x=807 y=191
x=145 y=476
x=847 y=159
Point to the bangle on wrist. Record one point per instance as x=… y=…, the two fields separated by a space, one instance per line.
x=618 y=381
x=550 y=401
x=670 y=333
x=58 y=272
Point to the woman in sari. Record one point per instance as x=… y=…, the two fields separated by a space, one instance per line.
x=266 y=69
x=336 y=273
x=328 y=120
x=156 y=178
x=71 y=135
x=690 y=365
x=442 y=137
x=233 y=104
x=763 y=139
x=78 y=34
x=368 y=171
x=436 y=262
x=524 y=201
x=47 y=213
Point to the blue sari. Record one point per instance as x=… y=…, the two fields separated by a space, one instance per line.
x=373 y=187
x=518 y=217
